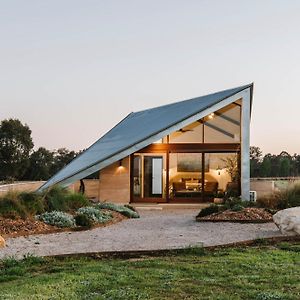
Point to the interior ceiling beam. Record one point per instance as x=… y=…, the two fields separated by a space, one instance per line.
x=219 y=129
x=231 y=120
x=216 y=128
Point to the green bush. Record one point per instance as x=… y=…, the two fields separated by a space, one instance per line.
x=213 y=208
x=75 y=201
x=94 y=214
x=10 y=207
x=237 y=207
x=130 y=207
x=55 y=199
x=128 y=212
x=57 y=218
x=61 y=199
x=32 y=202
x=83 y=220
x=235 y=202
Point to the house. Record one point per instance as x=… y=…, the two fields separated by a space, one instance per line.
x=188 y=151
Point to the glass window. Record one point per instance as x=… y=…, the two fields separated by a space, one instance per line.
x=185 y=175
x=137 y=176
x=223 y=126
x=222 y=174
x=192 y=133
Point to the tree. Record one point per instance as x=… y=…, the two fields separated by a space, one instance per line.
x=284 y=167
x=40 y=165
x=265 y=168
x=255 y=161
x=15 y=146
x=61 y=158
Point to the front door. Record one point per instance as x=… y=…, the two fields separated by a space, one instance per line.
x=153 y=176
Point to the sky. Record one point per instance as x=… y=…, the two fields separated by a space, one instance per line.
x=72 y=69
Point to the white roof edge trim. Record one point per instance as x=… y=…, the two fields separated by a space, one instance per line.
x=110 y=160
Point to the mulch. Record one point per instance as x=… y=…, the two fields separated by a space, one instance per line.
x=247 y=215
x=19 y=227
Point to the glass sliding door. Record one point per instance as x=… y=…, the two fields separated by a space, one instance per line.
x=185 y=176
x=222 y=175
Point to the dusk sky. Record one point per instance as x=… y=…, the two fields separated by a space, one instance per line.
x=72 y=69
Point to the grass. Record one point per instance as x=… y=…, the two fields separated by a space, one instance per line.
x=28 y=204
x=257 y=273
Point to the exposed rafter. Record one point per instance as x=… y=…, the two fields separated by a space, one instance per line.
x=231 y=120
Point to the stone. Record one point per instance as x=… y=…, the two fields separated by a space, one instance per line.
x=288 y=220
x=2 y=242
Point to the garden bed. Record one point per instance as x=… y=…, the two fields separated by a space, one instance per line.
x=246 y=215
x=19 y=227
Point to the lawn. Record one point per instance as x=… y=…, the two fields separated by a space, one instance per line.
x=262 y=272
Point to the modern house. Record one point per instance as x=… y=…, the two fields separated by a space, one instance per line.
x=188 y=151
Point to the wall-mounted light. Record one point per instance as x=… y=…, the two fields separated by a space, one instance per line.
x=219 y=170
x=121 y=163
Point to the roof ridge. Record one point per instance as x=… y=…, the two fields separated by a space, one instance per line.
x=242 y=87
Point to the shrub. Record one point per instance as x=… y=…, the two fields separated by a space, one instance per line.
x=213 y=208
x=283 y=199
x=55 y=199
x=83 y=220
x=32 y=202
x=289 y=197
x=271 y=201
x=57 y=218
x=127 y=212
x=237 y=207
x=75 y=201
x=94 y=214
x=130 y=207
x=61 y=199
x=236 y=202
x=10 y=207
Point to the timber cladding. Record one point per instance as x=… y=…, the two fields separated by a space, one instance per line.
x=114 y=182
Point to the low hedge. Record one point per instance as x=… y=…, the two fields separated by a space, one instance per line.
x=126 y=211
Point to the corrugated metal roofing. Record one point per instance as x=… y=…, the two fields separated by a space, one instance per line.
x=135 y=128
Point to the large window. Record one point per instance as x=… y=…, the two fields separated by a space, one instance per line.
x=222 y=126
x=222 y=174
x=185 y=173
x=190 y=134
x=197 y=167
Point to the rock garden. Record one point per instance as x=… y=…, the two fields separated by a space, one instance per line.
x=283 y=208
x=54 y=211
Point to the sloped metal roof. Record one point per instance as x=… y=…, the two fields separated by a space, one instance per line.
x=133 y=129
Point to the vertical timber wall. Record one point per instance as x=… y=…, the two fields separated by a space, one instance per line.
x=114 y=182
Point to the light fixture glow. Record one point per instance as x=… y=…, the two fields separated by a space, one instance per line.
x=210 y=116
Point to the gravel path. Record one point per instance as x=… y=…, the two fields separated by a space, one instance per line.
x=165 y=229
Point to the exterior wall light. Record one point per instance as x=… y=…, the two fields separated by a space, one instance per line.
x=120 y=163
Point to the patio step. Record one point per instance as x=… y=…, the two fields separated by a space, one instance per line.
x=160 y=206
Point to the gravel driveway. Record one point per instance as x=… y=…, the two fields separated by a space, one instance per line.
x=159 y=229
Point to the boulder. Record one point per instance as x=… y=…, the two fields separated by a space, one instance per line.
x=288 y=220
x=2 y=242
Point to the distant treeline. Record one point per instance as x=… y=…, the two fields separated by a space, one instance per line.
x=271 y=165
x=18 y=160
